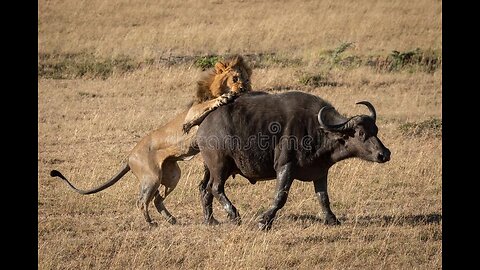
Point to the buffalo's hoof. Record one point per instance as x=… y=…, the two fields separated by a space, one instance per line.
x=172 y=220
x=153 y=224
x=211 y=222
x=237 y=221
x=264 y=226
x=332 y=220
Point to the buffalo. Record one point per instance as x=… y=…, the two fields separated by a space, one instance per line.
x=286 y=136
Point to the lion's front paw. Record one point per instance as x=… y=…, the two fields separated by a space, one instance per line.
x=226 y=98
x=186 y=127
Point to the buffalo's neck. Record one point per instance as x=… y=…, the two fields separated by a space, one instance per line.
x=333 y=151
x=340 y=154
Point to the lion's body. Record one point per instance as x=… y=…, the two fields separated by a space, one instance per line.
x=154 y=159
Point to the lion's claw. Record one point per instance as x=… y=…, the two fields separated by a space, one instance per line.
x=226 y=98
x=186 y=127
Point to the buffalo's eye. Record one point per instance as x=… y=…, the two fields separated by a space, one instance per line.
x=361 y=133
x=235 y=79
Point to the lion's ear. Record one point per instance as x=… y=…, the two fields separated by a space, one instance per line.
x=220 y=67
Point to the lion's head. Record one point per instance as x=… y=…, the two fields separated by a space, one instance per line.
x=232 y=75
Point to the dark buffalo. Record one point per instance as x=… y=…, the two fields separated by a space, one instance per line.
x=286 y=136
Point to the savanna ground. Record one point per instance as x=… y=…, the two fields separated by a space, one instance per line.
x=111 y=71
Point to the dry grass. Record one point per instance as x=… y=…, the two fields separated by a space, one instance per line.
x=144 y=29
x=391 y=213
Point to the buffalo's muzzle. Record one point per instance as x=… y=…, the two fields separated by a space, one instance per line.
x=383 y=156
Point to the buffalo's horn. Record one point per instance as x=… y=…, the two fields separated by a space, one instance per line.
x=373 y=114
x=327 y=126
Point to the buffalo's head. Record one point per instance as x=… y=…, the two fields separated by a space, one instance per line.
x=357 y=135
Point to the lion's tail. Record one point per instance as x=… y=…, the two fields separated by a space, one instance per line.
x=120 y=174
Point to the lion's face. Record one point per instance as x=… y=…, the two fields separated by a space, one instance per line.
x=231 y=77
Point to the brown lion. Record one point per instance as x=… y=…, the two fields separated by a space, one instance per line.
x=214 y=91
x=154 y=159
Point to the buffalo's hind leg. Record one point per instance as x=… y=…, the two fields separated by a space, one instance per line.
x=218 y=176
x=321 y=191
x=218 y=190
x=206 y=197
x=284 y=182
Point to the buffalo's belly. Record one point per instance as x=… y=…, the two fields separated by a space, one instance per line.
x=311 y=175
x=255 y=176
x=254 y=167
x=255 y=171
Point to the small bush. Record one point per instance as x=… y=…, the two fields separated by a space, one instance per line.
x=69 y=66
x=206 y=62
x=430 y=127
x=281 y=61
x=316 y=80
x=427 y=61
x=334 y=57
x=412 y=61
x=339 y=50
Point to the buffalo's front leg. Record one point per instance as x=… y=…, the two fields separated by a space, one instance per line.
x=321 y=191
x=284 y=182
x=206 y=197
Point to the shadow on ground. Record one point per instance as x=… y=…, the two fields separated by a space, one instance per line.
x=380 y=220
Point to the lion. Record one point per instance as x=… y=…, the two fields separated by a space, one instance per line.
x=154 y=159
x=210 y=87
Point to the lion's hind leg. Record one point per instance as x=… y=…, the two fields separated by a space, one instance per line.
x=149 y=176
x=158 y=201
x=170 y=176
x=148 y=189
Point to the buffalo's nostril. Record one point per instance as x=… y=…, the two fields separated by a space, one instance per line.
x=383 y=157
x=387 y=155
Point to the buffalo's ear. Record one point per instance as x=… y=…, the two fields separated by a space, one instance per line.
x=338 y=136
x=344 y=136
x=348 y=133
x=220 y=67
